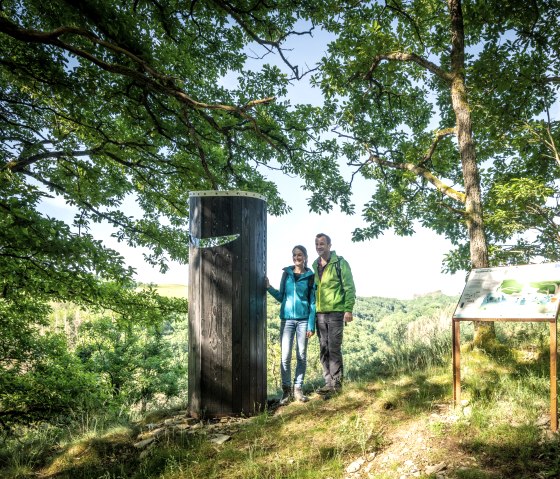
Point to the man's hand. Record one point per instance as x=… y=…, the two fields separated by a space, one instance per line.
x=309 y=333
x=348 y=317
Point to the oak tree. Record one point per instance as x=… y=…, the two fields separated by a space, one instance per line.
x=444 y=106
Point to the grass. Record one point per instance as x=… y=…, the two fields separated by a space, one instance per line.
x=172 y=290
x=397 y=416
x=496 y=436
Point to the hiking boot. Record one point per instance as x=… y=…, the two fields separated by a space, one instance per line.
x=299 y=396
x=326 y=389
x=286 y=395
x=335 y=391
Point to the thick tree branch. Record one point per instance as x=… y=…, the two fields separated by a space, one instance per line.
x=439 y=135
x=424 y=173
x=21 y=164
x=408 y=57
x=147 y=75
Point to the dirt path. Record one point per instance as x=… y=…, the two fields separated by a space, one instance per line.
x=415 y=448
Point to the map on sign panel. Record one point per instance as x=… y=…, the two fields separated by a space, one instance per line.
x=515 y=292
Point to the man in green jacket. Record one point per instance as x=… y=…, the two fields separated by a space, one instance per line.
x=335 y=298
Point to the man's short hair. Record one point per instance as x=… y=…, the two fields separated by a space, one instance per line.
x=327 y=237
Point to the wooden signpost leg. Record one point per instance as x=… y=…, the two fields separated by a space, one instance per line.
x=553 y=378
x=456 y=333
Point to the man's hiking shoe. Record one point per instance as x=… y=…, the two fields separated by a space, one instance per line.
x=299 y=396
x=332 y=393
x=286 y=395
x=326 y=389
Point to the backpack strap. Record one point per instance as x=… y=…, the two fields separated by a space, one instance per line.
x=283 y=282
x=310 y=286
x=339 y=273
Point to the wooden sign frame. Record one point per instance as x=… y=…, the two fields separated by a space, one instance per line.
x=483 y=287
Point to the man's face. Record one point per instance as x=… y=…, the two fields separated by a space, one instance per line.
x=322 y=247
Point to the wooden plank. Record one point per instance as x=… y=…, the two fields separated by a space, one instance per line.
x=553 y=377
x=214 y=297
x=194 y=358
x=194 y=334
x=251 y=223
x=207 y=323
x=247 y=346
x=456 y=337
x=237 y=310
x=230 y=323
x=225 y=288
x=260 y=295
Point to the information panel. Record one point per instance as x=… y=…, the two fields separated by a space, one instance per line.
x=513 y=292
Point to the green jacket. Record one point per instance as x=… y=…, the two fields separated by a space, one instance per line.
x=334 y=295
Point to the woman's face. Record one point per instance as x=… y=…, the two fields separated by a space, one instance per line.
x=298 y=257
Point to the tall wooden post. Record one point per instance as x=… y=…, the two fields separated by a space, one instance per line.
x=227 y=303
x=553 y=376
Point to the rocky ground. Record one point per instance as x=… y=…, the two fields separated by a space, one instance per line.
x=415 y=448
x=423 y=447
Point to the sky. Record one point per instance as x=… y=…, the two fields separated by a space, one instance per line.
x=390 y=266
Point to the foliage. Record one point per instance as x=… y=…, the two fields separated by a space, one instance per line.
x=104 y=104
x=138 y=363
x=49 y=382
x=387 y=336
x=406 y=82
x=80 y=361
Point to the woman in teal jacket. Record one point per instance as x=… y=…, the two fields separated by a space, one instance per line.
x=297 y=314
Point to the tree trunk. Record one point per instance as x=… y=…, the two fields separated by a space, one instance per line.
x=467 y=151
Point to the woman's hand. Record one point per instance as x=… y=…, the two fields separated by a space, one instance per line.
x=310 y=333
x=266 y=283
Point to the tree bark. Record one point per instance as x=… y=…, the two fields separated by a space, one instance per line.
x=467 y=151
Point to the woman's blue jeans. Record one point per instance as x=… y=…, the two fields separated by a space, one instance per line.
x=290 y=328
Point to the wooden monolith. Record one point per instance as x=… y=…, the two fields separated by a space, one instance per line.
x=227 y=303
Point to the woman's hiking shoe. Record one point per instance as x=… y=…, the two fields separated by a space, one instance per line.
x=286 y=395
x=299 y=396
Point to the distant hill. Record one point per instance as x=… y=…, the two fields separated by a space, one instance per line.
x=168 y=290
x=181 y=290
x=172 y=290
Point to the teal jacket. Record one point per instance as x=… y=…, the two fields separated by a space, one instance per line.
x=297 y=297
x=334 y=294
